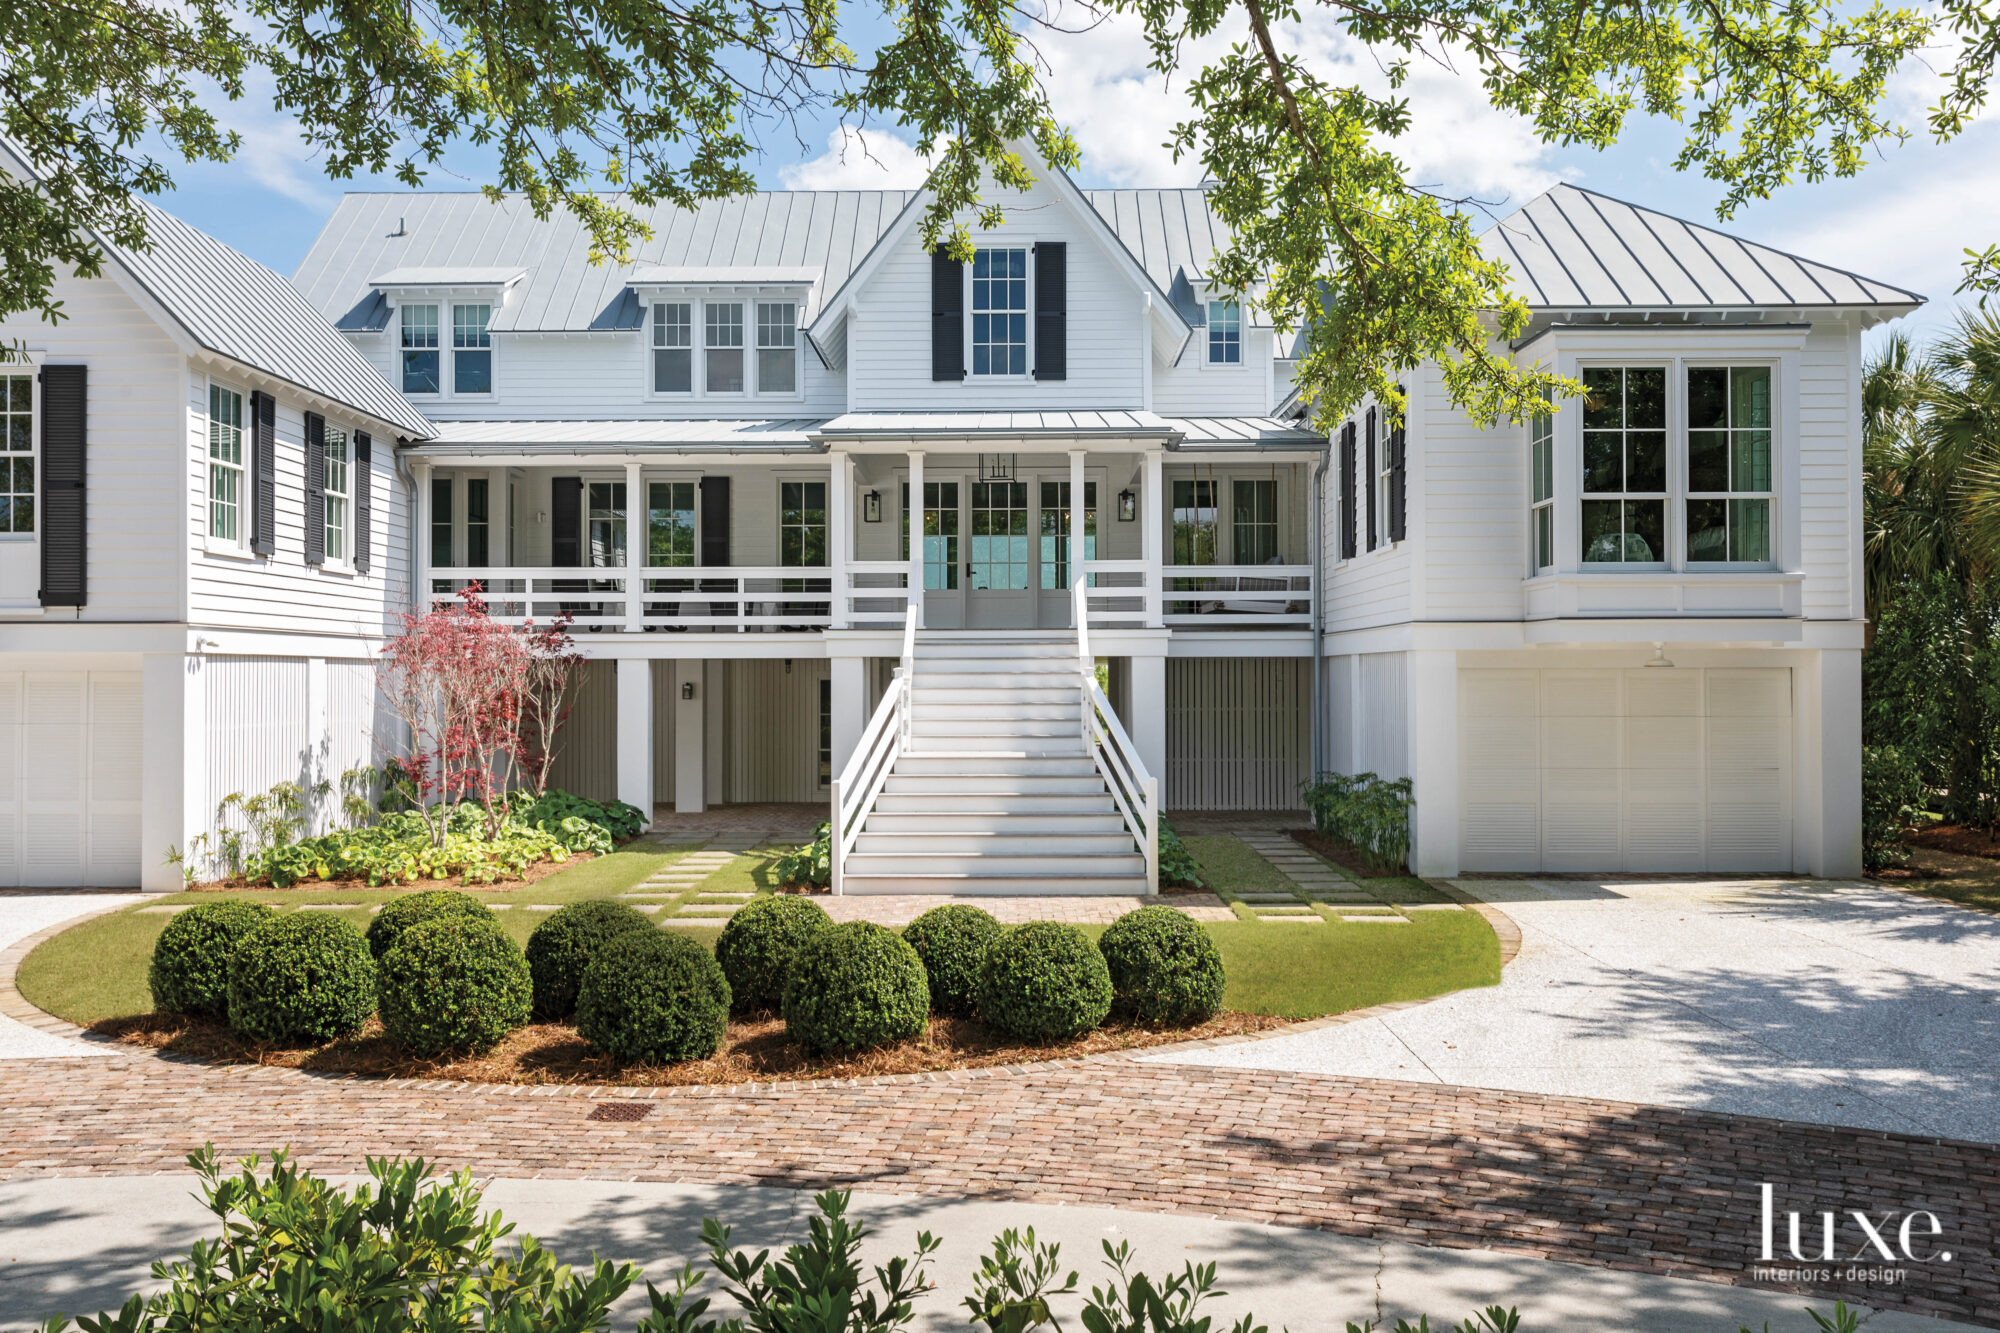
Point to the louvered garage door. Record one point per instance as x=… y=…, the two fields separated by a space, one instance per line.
x=69 y=778
x=1650 y=769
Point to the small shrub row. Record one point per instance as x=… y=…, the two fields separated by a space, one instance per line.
x=1367 y=811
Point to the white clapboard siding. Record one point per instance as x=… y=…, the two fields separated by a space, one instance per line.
x=257 y=732
x=1382 y=719
x=1237 y=732
x=1650 y=770
x=771 y=737
x=586 y=761
x=1474 y=508
x=1829 y=469
x=1195 y=389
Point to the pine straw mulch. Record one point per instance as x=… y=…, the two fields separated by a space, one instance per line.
x=754 y=1050
x=534 y=874
x=1959 y=839
x=1345 y=855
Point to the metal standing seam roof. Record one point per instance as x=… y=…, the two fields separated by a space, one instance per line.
x=233 y=306
x=782 y=432
x=1571 y=248
x=793 y=432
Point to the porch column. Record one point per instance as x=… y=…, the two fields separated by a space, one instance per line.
x=1146 y=723
x=173 y=753
x=1155 y=514
x=635 y=556
x=840 y=531
x=635 y=734
x=1077 y=510
x=690 y=734
x=850 y=706
x=1431 y=703
x=915 y=518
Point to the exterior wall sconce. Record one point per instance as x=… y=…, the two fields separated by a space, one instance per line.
x=871 y=507
x=1128 y=506
x=687 y=689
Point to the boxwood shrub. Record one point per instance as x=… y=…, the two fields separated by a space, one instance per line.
x=301 y=978
x=1164 y=967
x=1044 y=981
x=756 y=948
x=561 y=948
x=452 y=983
x=190 y=969
x=399 y=914
x=651 y=999
x=952 y=941
x=855 y=986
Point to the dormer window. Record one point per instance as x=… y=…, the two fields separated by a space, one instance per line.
x=673 y=347
x=777 y=347
x=420 y=349
x=471 y=349
x=723 y=351
x=1225 y=333
x=1000 y=312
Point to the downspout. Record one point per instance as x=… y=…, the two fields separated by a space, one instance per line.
x=410 y=527
x=1318 y=527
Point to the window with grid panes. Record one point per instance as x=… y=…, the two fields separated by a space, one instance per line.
x=1624 y=503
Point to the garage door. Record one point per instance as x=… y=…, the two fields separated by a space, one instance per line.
x=1653 y=769
x=69 y=778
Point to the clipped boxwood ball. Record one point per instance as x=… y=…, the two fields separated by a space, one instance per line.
x=190 y=969
x=399 y=914
x=952 y=940
x=561 y=948
x=452 y=983
x=653 y=999
x=1164 y=967
x=853 y=987
x=1044 y=981
x=301 y=978
x=757 y=946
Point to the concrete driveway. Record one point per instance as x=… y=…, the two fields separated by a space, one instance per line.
x=1836 y=1003
x=25 y=912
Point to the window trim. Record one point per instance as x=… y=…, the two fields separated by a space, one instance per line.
x=246 y=491
x=1542 y=460
x=439 y=305
x=757 y=348
x=492 y=352
x=344 y=562
x=1208 y=361
x=1769 y=495
x=698 y=302
x=1026 y=245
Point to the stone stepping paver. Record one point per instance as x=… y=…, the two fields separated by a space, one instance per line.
x=164 y=911
x=1318 y=882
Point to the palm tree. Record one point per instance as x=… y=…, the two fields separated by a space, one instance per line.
x=1911 y=496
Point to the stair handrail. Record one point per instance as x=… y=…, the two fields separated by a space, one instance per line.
x=867 y=771
x=1134 y=790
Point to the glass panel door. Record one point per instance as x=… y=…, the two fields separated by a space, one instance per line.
x=944 y=593
x=998 y=555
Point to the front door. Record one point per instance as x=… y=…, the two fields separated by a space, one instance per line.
x=944 y=554
x=999 y=557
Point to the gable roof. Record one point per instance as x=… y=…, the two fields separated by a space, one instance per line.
x=229 y=304
x=1570 y=248
x=370 y=235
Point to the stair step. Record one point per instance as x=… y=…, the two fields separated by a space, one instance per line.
x=973 y=802
x=1013 y=784
x=998 y=728
x=960 y=763
x=998 y=819
x=1000 y=866
x=1001 y=716
x=970 y=885
x=979 y=690
x=1035 y=670
x=987 y=843
x=1021 y=747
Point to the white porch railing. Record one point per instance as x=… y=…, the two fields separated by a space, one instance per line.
x=732 y=599
x=1131 y=594
x=1136 y=791
x=886 y=736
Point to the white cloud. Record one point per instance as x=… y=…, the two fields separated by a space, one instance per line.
x=859 y=160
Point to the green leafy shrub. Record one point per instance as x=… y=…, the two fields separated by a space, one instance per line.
x=190 y=969
x=854 y=987
x=452 y=983
x=653 y=999
x=301 y=978
x=400 y=849
x=1365 y=811
x=1044 y=981
x=561 y=948
x=756 y=948
x=1177 y=864
x=810 y=865
x=952 y=941
x=1164 y=967
x=1892 y=794
x=399 y=914
x=552 y=810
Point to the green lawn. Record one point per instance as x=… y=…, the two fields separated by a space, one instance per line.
x=97 y=969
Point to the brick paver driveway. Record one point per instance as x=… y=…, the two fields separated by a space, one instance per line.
x=1842 y=1004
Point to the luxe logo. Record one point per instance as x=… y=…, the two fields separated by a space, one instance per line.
x=1873 y=1238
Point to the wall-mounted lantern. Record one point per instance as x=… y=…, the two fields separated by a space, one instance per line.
x=1128 y=506
x=871 y=507
x=687 y=689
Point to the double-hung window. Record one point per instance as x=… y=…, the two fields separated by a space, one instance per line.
x=777 y=347
x=478 y=523
x=228 y=512
x=1624 y=506
x=722 y=352
x=670 y=524
x=335 y=472
x=802 y=524
x=1225 y=333
x=441 y=523
x=1729 y=464
x=1000 y=312
x=605 y=522
x=420 y=349
x=471 y=349
x=1254 y=522
x=1542 y=460
x=1195 y=521
x=673 y=347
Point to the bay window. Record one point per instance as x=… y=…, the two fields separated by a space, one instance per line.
x=1729 y=464
x=1624 y=513
x=227 y=513
x=1542 y=504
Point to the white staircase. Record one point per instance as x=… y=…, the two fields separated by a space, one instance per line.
x=992 y=790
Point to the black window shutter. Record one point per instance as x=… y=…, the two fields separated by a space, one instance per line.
x=715 y=522
x=263 y=473
x=315 y=489
x=947 y=317
x=65 y=433
x=566 y=522
x=364 y=498
x=1052 y=310
x=1368 y=476
x=1398 y=508
x=1347 y=527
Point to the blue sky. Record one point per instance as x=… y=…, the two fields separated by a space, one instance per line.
x=1906 y=219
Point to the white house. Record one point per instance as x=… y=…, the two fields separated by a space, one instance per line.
x=1624 y=638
